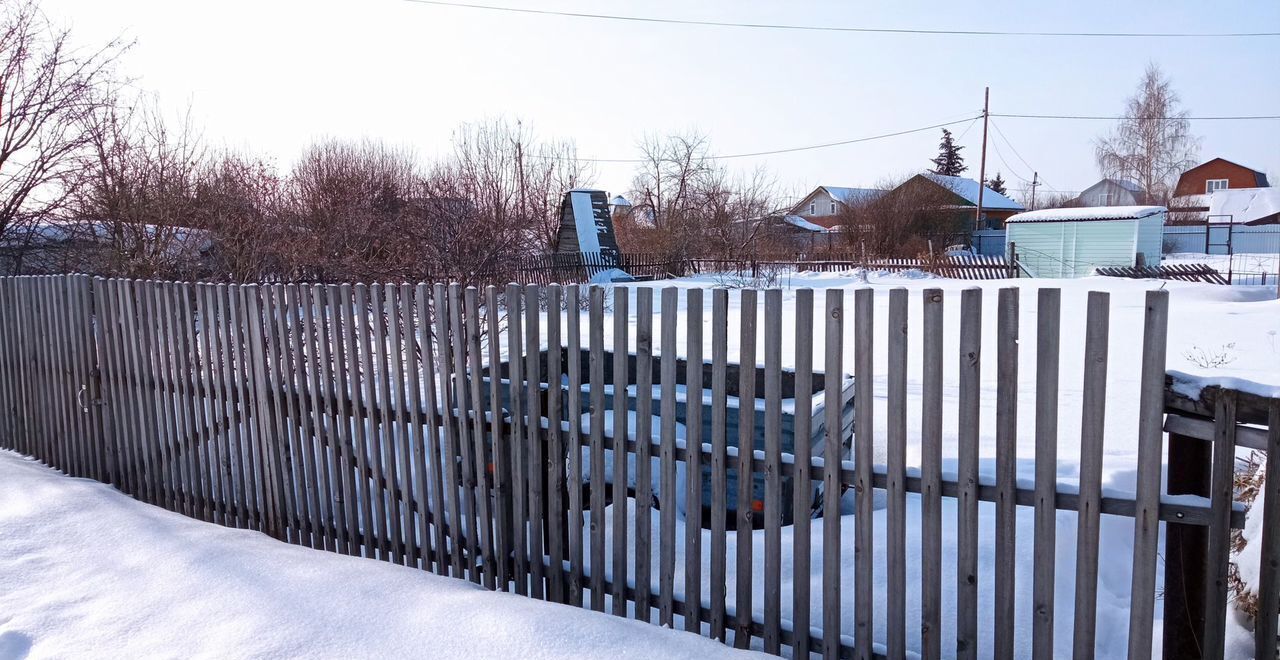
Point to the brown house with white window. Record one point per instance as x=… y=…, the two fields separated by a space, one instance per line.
x=1218 y=174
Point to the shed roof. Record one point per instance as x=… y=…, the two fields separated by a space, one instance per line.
x=1087 y=214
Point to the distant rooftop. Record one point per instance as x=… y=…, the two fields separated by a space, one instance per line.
x=968 y=190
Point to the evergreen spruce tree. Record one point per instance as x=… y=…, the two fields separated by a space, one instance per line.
x=949 y=160
x=997 y=184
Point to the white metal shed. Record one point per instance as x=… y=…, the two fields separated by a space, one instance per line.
x=1073 y=242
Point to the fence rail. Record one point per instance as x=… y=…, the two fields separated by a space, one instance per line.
x=503 y=436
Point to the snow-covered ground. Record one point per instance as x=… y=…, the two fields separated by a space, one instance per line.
x=88 y=572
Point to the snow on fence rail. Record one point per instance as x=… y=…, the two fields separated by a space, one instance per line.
x=443 y=429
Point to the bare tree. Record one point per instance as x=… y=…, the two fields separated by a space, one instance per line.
x=138 y=192
x=685 y=203
x=516 y=179
x=49 y=91
x=1153 y=143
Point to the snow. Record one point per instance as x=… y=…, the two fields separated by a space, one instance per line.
x=610 y=275
x=1242 y=205
x=584 y=221
x=1082 y=214
x=968 y=189
x=853 y=195
x=802 y=223
x=88 y=572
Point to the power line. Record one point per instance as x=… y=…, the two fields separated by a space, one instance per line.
x=1115 y=118
x=773 y=152
x=836 y=28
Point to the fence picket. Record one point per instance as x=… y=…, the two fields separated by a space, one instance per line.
x=597 y=407
x=1048 y=321
x=1092 y=432
x=1146 y=525
x=693 y=463
x=554 y=464
x=772 y=470
x=1269 y=557
x=746 y=480
x=896 y=504
x=967 y=474
x=435 y=423
x=499 y=450
x=519 y=489
x=719 y=458
x=533 y=464
x=931 y=357
x=397 y=318
x=1006 y=467
x=863 y=441
x=667 y=460
x=802 y=488
x=644 y=452
x=573 y=332
x=622 y=430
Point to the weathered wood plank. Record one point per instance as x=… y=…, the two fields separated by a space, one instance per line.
x=644 y=452
x=553 y=465
x=931 y=358
x=667 y=460
x=1006 y=467
x=519 y=488
x=434 y=427
x=533 y=464
x=1222 y=492
x=595 y=331
x=622 y=428
x=802 y=505
x=480 y=456
x=693 y=464
x=772 y=471
x=1092 y=432
x=1146 y=524
x=1264 y=633
x=967 y=474
x=573 y=333
x=719 y=458
x=746 y=478
x=1048 y=331
x=863 y=444
x=896 y=504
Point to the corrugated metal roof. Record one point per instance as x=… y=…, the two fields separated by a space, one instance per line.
x=1087 y=214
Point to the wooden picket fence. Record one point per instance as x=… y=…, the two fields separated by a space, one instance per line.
x=1181 y=272
x=453 y=430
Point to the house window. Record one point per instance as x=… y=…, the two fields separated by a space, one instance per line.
x=1215 y=184
x=813 y=208
x=1104 y=199
x=833 y=208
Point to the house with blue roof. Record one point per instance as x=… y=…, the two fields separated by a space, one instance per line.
x=824 y=205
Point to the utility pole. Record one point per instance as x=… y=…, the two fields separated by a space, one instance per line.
x=982 y=169
x=1035 y=181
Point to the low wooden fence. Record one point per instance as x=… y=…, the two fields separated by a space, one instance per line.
x=466 y=432
x=965 y=267
x=1180 y=272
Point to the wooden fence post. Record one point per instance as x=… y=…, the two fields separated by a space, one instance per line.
x=1185 y=552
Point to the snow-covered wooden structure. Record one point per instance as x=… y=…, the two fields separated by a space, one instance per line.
x=1074 y=242
x=586 y=225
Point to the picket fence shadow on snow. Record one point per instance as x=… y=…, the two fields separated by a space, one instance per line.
x=314 y=413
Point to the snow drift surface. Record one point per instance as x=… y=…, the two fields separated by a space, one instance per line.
x=86 y=571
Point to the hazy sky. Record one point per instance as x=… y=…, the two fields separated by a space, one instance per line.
x=271 y=76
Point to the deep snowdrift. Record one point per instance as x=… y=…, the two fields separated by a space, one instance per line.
x=87 y=571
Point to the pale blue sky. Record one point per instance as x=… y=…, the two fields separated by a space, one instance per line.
x=273 y=75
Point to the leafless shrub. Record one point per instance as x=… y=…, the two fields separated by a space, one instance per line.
x=1212 y=358
x=903 y=221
